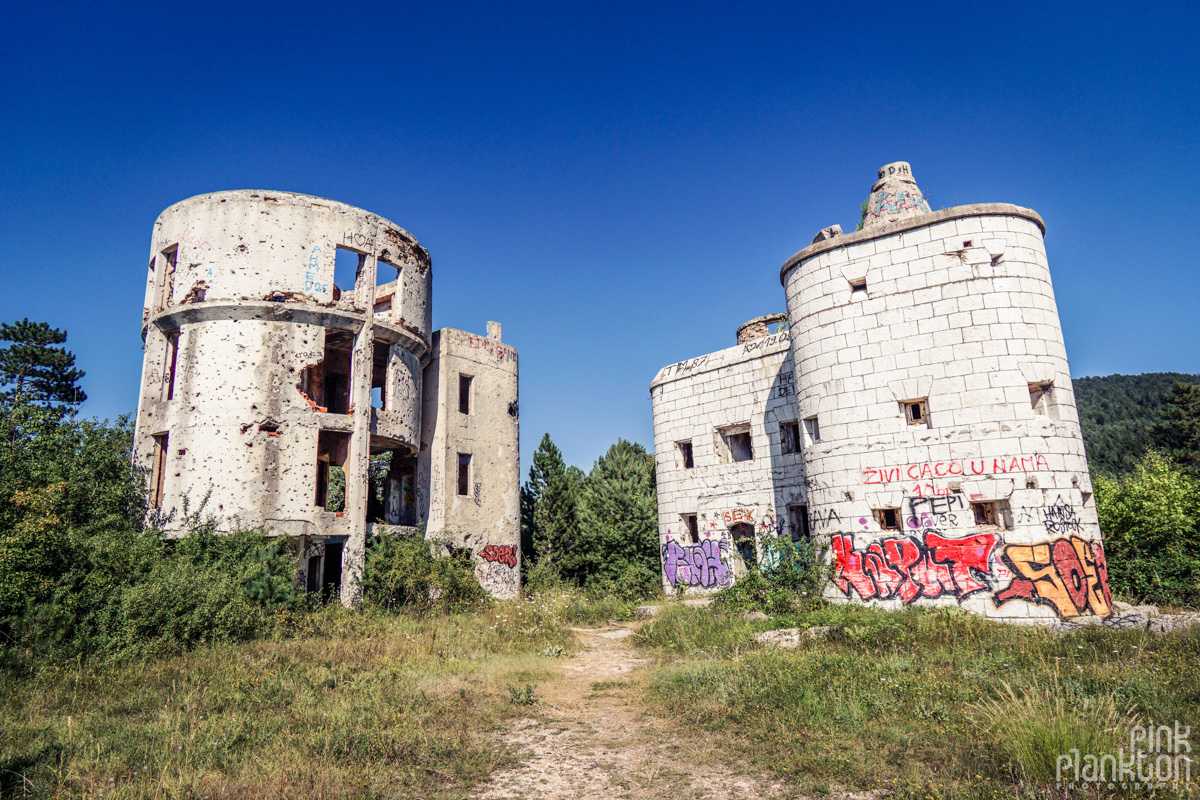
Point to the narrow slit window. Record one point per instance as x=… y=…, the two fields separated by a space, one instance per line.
x=685 y=454
x=464 y=474
x=170 y=256
x=889 y=518
x=812 y=429
x=916 y=412
x=464 y=394
x=789 y=437
x=798 y=522
x=172 y=358
x=160 y=470
x=692 y=527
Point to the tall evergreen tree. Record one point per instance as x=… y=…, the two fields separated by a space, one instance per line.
x=552 y=494
x=33 y=370
x=1178 y=431
x=618 y=538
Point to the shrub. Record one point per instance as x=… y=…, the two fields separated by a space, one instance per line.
x=792 y=576
x=1151 y=524
x=402 y=572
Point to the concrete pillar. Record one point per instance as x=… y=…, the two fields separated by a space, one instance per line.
x=358 y=485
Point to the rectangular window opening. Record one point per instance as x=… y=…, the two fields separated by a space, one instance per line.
x=798 y=522
x=464 y=474
x=464 y=394
x=735 y=444
x=812 y=430
x=789 y=437
x=400 y=491
x=333 y=447
x=916 y=412
x=692 y=527
x=172 y=357
x=386 y=273
x=1040 y=397
x=159 y=474
x=858 y=288
x=379 y=372
x=329 y=382
x=347 y=269
x=170 y=256
x=889 y=518
x=985 y=514
x=685 y=454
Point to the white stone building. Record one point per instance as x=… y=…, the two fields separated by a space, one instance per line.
x=940 y=455
x=287 y=341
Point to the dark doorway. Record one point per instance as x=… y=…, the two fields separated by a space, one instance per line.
x=743 y=540
x=331 y=583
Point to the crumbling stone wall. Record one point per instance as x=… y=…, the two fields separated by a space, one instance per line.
x=261 y=375
x=705 y=402
x=477 y=505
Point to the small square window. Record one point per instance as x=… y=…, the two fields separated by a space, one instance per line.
x=985 y=513
x=1040 y=397
x=735 y=443
x=789 y=437
x=889 y=518
x=916 y=412
x=812 y=429
x=685 y=454
x=464 y=394
x=464 y=474
x=692 y=528
x=858 y=288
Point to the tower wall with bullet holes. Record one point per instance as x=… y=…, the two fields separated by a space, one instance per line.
x=270 y=395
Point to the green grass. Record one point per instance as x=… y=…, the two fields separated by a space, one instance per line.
x=354 y=705
x=914 y=700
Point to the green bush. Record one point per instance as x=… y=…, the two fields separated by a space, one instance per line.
x=790 y=577
x=120 y=593
x=402 y=572
x=1151 y=524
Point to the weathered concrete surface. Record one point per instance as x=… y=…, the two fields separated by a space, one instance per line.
x=894 y=196
x=261 y=374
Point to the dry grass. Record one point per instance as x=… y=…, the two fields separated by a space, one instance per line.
x=359 y=705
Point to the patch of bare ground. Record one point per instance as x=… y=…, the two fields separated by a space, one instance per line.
x=588 y=739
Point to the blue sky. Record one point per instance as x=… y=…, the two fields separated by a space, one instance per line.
x=617 y=183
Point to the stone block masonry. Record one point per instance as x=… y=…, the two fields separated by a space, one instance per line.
x=940 y=458
x=287 y=343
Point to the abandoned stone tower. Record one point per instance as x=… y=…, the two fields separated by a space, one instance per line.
x=273 y=383
x=913 y=413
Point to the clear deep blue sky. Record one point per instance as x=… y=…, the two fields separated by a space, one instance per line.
x=617 y=183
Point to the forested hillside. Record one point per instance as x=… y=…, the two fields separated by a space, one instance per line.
x=1117 y=413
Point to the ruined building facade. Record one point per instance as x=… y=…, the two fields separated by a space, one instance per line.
x=291 y=380
x=914 y=416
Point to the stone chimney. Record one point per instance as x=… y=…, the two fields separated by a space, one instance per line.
x=894 y=196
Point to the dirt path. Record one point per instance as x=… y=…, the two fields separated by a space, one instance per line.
x=589 y=741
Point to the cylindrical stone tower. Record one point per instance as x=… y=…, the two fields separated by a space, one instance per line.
x=262 y=373
x=941 y=440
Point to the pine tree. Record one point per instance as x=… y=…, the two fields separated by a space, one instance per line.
x=32 y=370
x=552 y=492
x=618 y=540
x=1178 y=432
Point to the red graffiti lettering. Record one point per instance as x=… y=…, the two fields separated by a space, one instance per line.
x=501 y=553
x=905 y=567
